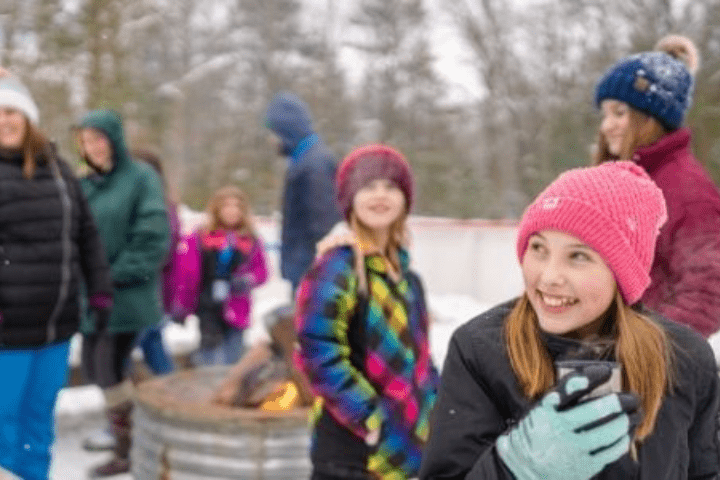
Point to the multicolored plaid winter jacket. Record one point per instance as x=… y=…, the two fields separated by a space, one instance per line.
x=368 y=360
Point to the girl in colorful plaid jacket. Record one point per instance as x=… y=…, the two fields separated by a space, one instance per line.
x=362 y=326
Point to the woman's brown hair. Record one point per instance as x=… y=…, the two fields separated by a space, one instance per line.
x=246 y=227
x=643 y=130
x=641 y=346
x=35 y=146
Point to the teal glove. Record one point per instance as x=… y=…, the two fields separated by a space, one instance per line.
x=561 y=439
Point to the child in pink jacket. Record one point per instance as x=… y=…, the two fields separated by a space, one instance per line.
x=217 y=266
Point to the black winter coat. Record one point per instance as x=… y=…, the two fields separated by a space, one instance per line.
x=480 y=399
x=48 y=246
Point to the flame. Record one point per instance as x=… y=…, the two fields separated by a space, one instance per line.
x=285 y=397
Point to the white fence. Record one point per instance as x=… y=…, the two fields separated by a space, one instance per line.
x=471 y=258
x=465 y=265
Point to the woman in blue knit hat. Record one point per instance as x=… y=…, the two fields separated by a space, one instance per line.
x=643 y=100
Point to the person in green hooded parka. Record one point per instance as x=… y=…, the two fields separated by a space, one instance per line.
x=127 y=202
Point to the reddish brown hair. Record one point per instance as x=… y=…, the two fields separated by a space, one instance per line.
x=644 y=130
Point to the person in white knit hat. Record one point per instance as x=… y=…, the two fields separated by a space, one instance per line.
x=13 y=94
x=49 y=246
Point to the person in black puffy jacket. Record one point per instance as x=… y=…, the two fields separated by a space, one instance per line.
x=49 y=248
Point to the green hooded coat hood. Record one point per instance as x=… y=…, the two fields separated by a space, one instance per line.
x=109 y=122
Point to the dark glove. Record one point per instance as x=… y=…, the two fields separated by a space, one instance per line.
x=177 y=313
x=563 y=438
x=102 y=320
x=240 y=284
x=101 y=304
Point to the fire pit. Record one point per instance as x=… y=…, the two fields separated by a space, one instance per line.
x=179 y=435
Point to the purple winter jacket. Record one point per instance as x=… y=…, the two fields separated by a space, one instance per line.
x=685 y=276
x=170 y=270
x=188 y=276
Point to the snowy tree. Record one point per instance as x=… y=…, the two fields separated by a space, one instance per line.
x=193 y=78
x=390 y=35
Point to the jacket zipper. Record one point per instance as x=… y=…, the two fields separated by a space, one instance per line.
x=4 y=260
x=66 y=253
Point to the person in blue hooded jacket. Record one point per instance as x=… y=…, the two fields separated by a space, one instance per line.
x=308 y=208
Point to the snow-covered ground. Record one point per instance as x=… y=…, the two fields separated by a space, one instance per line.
x=79 y=410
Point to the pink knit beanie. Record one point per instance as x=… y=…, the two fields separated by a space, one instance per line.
x=367 y=163
x=615 y=208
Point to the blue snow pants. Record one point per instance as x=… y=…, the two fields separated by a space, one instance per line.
x=156 y=357
x=31 y=379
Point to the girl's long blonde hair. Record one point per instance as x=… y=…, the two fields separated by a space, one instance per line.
x=641 y=346
x=643 y=130
x=366 y=244
x=247 y=224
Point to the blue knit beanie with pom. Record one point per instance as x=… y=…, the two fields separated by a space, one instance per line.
x=657 y=83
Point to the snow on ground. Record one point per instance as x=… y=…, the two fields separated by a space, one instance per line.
x=79 y=410
x=714 y=341
x=447 y=313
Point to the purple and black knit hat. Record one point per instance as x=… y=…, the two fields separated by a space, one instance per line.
x=368 y=163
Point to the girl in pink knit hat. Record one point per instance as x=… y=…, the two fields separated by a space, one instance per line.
x=575 y=380
x=362 y=327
